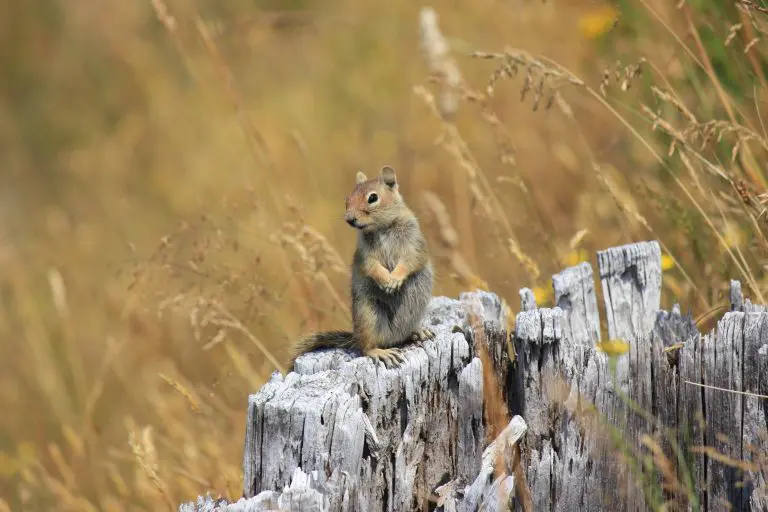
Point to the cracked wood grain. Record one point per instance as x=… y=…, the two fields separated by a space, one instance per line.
x=342 y=434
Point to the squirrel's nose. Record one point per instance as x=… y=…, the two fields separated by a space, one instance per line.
x=351 y=220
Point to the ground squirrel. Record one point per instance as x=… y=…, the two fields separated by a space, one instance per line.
x=391 y=275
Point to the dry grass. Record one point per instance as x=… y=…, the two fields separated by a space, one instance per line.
x=174 y=173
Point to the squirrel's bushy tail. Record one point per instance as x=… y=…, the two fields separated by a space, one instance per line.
x=327 y=339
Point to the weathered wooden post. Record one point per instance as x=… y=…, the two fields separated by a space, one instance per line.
x=343 y=434
x=572 y=464
x=340 y=433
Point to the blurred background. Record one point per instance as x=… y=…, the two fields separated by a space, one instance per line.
x=173 y=177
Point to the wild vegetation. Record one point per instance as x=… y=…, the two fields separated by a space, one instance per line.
x=174 y=172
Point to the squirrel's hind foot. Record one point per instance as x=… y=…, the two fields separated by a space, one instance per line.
x=422 y=335
x=391 y=357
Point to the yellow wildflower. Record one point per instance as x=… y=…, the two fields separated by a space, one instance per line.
x=597 y=22
x=543 y=294
x=613 y=348
x=667 y=262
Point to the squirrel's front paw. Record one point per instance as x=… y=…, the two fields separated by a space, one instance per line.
x=392 y=284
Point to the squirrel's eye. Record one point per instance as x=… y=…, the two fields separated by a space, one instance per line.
x=372 y=198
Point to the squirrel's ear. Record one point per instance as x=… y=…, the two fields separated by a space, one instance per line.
x=388 y=176
x=360 y=177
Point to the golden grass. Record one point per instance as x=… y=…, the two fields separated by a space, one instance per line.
x=176 y=170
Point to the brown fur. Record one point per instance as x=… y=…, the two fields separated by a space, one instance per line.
x=391 y=275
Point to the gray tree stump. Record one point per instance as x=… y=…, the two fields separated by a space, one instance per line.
x=342 y=434
x=572 y=464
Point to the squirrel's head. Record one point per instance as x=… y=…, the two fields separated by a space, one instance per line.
x=376 y=203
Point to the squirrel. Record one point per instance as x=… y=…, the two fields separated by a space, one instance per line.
x=392 y=275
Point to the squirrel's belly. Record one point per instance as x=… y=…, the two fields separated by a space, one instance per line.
x=405 y=309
